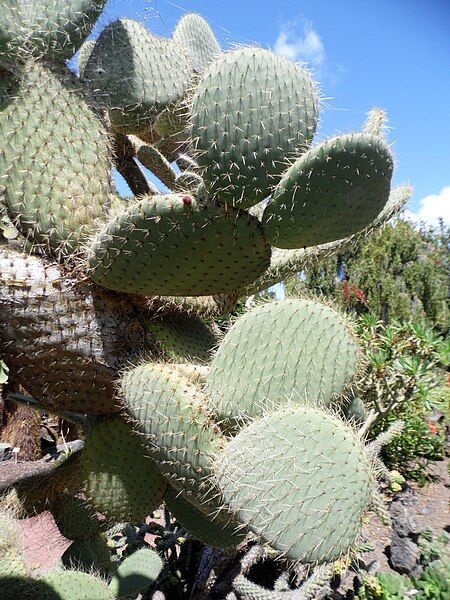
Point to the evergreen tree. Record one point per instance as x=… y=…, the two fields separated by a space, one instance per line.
x=398 y=273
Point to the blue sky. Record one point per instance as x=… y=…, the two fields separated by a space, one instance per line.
x=389 y=53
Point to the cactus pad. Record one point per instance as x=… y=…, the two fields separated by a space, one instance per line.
x=12 y=564
x=75 y=585
x=333 y=191
x=183 y=336
x=53 y=29
x=195 y=36
x=88 y=556
x=136 y=573
x=174 y=246
x=136 y=73
x=74 y=518
x=54 y=159
x=120 y=481
x=286 y=351
x=218 y=531
x=251 y=111
x=301 y=479
x=170 y=414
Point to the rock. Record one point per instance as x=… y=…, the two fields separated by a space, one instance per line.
x=404 y=554
x=402 y=522
x=5 y=451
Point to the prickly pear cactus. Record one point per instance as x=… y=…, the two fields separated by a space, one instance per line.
x=317 y=364
x=53 y=29
x=106 y=302
x=301 y=479
x=136 y=73
x=118 y=479
x=252 y=111
x=55 y=159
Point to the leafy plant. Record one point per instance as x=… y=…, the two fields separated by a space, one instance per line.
x=385 y=586
x=401 y=273
x=418 y=445
x=434 y=583
x=434 y=548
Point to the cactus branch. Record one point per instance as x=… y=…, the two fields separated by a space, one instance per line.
x=76 y=418
x=128 y=168
x=153 y=160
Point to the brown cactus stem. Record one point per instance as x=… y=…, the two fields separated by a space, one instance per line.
x=129 y=169
x=78 y=336
x=151 y=158
x=21 y=427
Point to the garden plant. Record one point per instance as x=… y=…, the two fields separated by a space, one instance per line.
x=248 y=438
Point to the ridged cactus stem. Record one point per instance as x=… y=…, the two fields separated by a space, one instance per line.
x=385 y=437
x=125 y=163
x=376 y=123
x=153 y=160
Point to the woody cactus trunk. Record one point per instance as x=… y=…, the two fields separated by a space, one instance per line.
x=107 y=302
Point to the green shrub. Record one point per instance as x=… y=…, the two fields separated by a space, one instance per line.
x=411 y=452
x=434 y=583
x=385 y=586
x=405 y=380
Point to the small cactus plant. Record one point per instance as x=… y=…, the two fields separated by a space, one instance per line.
x=105 y=301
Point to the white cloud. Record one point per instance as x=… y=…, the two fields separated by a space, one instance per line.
x=298 y=40
x=432 y=208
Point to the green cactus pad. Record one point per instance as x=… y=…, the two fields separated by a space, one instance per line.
x=251 y=111
x=195 y=36
x=169 y=412
x=120 y=480
x=301 y=479
x=136 y=573
x=174 y=246
x=136 y=73
x=12 y=564
x=53 y=29
x=354 y=410
x=74 y=518
x=74 y=585
x=333 y=191
x=172 y=125
x=285 y=351
x=183 y=336
x=218 y=531
x=88 y=556
x=55 y=161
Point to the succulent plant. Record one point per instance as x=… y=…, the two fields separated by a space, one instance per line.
x=316 y=364
x=53 y=29
x=107 y=301
x=119 y=480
